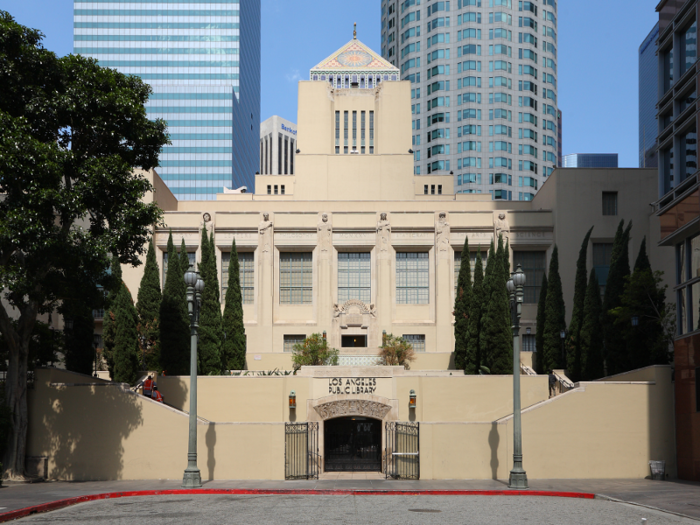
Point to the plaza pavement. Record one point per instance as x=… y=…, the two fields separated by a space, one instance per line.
x=673 y=496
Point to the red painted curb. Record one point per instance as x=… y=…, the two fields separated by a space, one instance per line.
x=62 y=503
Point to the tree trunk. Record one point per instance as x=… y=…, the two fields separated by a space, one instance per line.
x=16 y=399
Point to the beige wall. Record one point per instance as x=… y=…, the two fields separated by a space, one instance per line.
x=602 y=429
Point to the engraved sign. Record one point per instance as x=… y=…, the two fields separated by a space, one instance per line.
x=352 y=385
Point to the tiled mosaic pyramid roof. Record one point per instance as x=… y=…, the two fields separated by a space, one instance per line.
x=354 y=56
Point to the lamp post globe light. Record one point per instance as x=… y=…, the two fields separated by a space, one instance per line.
x=195 y=286
x=518 y=476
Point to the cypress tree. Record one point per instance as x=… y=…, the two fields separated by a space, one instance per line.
x=573 y=356
x=184 y=257
x=148 y=307
x=554 y=317
x=615 y=343
x=126 y=342
x=210 y=324
x=642 y=261
x=234 y=343
x=472 y=358
x=463 y=298
x=109 y=329
x=592 y=363
x=539 y=335
x=174 y=320
x=505 y=357
x=495 y=343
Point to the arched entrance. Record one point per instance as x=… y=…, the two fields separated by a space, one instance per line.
x=352 y=444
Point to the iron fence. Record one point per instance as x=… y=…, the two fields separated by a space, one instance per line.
x=402 y=454
x=301 y=457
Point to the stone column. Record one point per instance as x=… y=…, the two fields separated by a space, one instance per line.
x=324 y=251
x=265 y=283
x=444 y=340
x=384 y=292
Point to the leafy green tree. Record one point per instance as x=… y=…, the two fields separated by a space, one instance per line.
x=616 y=356
x=650 y=341
x=174 y=319
x=71 y=135
x=79 y=349
x=396 y=351
x=573 y=356
x=314 y=351
x=126 y=343
x=495 y=342
x=539 y=335
x=210 y=323
x=472 y=358
x=148 y=308
x=592 y=362
x=109 y=329
x=234 y=330
x=463 y=298
x=184 y=258
x=554 y=317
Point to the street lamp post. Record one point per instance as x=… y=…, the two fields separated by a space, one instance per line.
x=195 y=285
x=562 y=336
x=518 y=476
x=96 y=340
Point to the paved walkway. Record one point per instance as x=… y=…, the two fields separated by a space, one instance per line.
x=678 y=497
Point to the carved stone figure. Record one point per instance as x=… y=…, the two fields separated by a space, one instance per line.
x=325 y=233
x=265 y=231
x=383 y=233
x=501 y=226
x=352 y=407
x=442 y=233
x=372 y=310
x=207 y=223
x=336 y=311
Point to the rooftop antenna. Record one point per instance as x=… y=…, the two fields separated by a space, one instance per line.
x=354 y=31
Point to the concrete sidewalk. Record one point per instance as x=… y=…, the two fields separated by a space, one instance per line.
x=679 y=497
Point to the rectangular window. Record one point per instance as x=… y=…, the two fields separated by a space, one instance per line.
x=354 y=277
x=345 y=136
x=245 y=273
x=371 y=132
x=528 y=343
x=533 y=264
x=362 y=132
x=286 y=155
x=291 y=340
x=192 y=256
x=269 y=189
x=412 y=277
x=354 y=130
x=279 y=154
x=295 y=278
x=417 y=341
x=609 y=203
x=602 y=253
x=337 y=132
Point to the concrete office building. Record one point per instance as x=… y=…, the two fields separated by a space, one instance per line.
x=203 y=61
x=278 y=145
x=590 y=160
x=484 y=90
x=648 y=97
x=679 y=210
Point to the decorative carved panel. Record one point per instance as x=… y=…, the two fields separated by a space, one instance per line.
x=352 y=407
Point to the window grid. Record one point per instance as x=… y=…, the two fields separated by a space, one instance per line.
x=192 y=256
x=417 y=341
x=245 y=271
x=533 y=265
x=688 y=292
x=354 y=277
x=609 y=203
x=412 y=278
x=292 y=339
x=529 y=343
x=295 y=278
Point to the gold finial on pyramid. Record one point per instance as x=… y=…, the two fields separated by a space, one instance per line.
x=354 y=32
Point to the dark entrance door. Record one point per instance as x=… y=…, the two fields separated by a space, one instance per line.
x=353 y=444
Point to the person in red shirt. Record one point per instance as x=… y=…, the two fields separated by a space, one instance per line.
x=156 y=395
x=148 y=387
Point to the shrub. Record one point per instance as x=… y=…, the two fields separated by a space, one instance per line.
x=396 y=351
x=314 y=351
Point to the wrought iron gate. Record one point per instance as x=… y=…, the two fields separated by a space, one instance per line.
x=301 y=457
x=402 y=454
x=352 y=444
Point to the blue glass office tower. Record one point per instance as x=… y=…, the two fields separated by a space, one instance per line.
x=202 y=58
x=648 y=97
x=590 y=160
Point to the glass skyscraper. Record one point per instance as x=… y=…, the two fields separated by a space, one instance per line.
x=648 y=97
x=484 y=89
x=590 y=160
x=202 y=58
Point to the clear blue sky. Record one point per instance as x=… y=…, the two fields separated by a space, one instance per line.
x=598 y=46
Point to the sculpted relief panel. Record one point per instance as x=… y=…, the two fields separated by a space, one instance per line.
x=352 y=407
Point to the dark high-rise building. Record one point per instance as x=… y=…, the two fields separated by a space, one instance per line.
x=648 y=97
x=679 y=211
x=202 y=59
x=590 y=160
